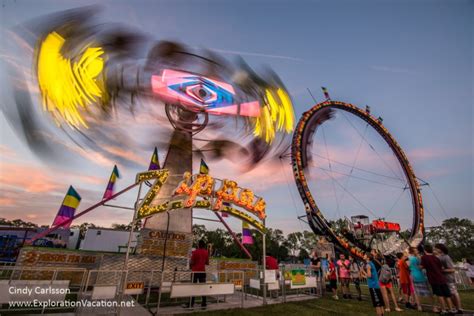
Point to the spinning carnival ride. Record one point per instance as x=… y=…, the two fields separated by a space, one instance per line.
x=360 y=236
x=85 y=71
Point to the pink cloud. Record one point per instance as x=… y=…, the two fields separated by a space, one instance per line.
x=7 y=201
x=127 y=154
x=429 y=153
x=27 y=178
x=7 y=152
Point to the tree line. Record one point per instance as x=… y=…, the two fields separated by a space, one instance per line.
x=457 y=234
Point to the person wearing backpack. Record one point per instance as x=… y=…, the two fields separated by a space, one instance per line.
x=355 y=275
x=386 y=286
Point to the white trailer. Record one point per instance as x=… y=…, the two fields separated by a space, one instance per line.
x=106 y=239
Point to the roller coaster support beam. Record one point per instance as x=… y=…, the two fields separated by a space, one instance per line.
x=66 y=222
x=237 y=241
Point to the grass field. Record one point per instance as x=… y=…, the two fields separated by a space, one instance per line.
x=328 y=306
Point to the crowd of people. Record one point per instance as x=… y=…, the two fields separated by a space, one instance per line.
x=420 y=272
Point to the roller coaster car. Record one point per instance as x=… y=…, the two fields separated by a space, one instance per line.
x=361 y=227
x=379 y=226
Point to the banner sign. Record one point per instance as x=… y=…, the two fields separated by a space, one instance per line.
x=204 y=191
x=298 y=277
x=270 y=276
x=133 y=288
x=152 y=243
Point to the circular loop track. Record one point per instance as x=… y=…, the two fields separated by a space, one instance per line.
x=304 y=132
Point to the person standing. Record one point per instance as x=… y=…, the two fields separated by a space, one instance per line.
x=404 y=278
x=434 y=272
x=386 y=286
x=344 y=275
x=420 y=283
x=333 y=278
x=373 y=284
x=199 y=260
x=448 y=270
x=315 y=264
x=469 y=269
x=316 y=268
x=325 y=264
x=354 y=269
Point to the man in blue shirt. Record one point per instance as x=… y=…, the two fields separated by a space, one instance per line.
x=373 y=284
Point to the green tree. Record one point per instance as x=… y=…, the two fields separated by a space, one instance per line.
x=199 y=232
x=294 y=243
x=83 y=228
x=457 y=234
x=128 y=227
x=309 y=241
x=303 y=255
x=17 y=223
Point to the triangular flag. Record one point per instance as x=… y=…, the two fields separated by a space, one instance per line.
x=155 y=162
x=68 y=207
x=109 y=190
x=326 y=93
x=203 y=168
x=246 y=234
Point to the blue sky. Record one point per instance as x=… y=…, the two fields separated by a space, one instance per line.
x=411 y=61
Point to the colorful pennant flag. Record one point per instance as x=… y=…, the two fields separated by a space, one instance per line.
x=246 y=234
x=68 y=207
x=155 y=162
x=203 y=169
x=326 y=93
x=109 y=191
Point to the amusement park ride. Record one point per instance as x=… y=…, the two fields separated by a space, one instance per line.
x=81 y=76
x=360 y=236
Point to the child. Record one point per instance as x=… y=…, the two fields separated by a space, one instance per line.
x=333 y=278
x=404 y=277
x=344 y=275
x=355 y=275
x=386 y=286
x=373 y=284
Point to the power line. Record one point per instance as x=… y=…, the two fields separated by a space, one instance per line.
x=357 y=168
x=437 y=200
x=394 y=204
x=352 y=195
x=330 y=168
x=360 y=178
x=372 y=147
x=291 y=193
x=355 y=159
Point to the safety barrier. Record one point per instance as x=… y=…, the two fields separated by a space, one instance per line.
x=27 y=284
x=166 y=291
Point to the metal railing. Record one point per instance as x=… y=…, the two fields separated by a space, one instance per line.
x=153 y=287
x=25 y=276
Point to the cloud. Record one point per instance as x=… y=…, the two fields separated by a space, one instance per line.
x=7 y=201
x=234 y=52
x=27 y=178
x=430 y=153
x=126 y=154
x=7 y=152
